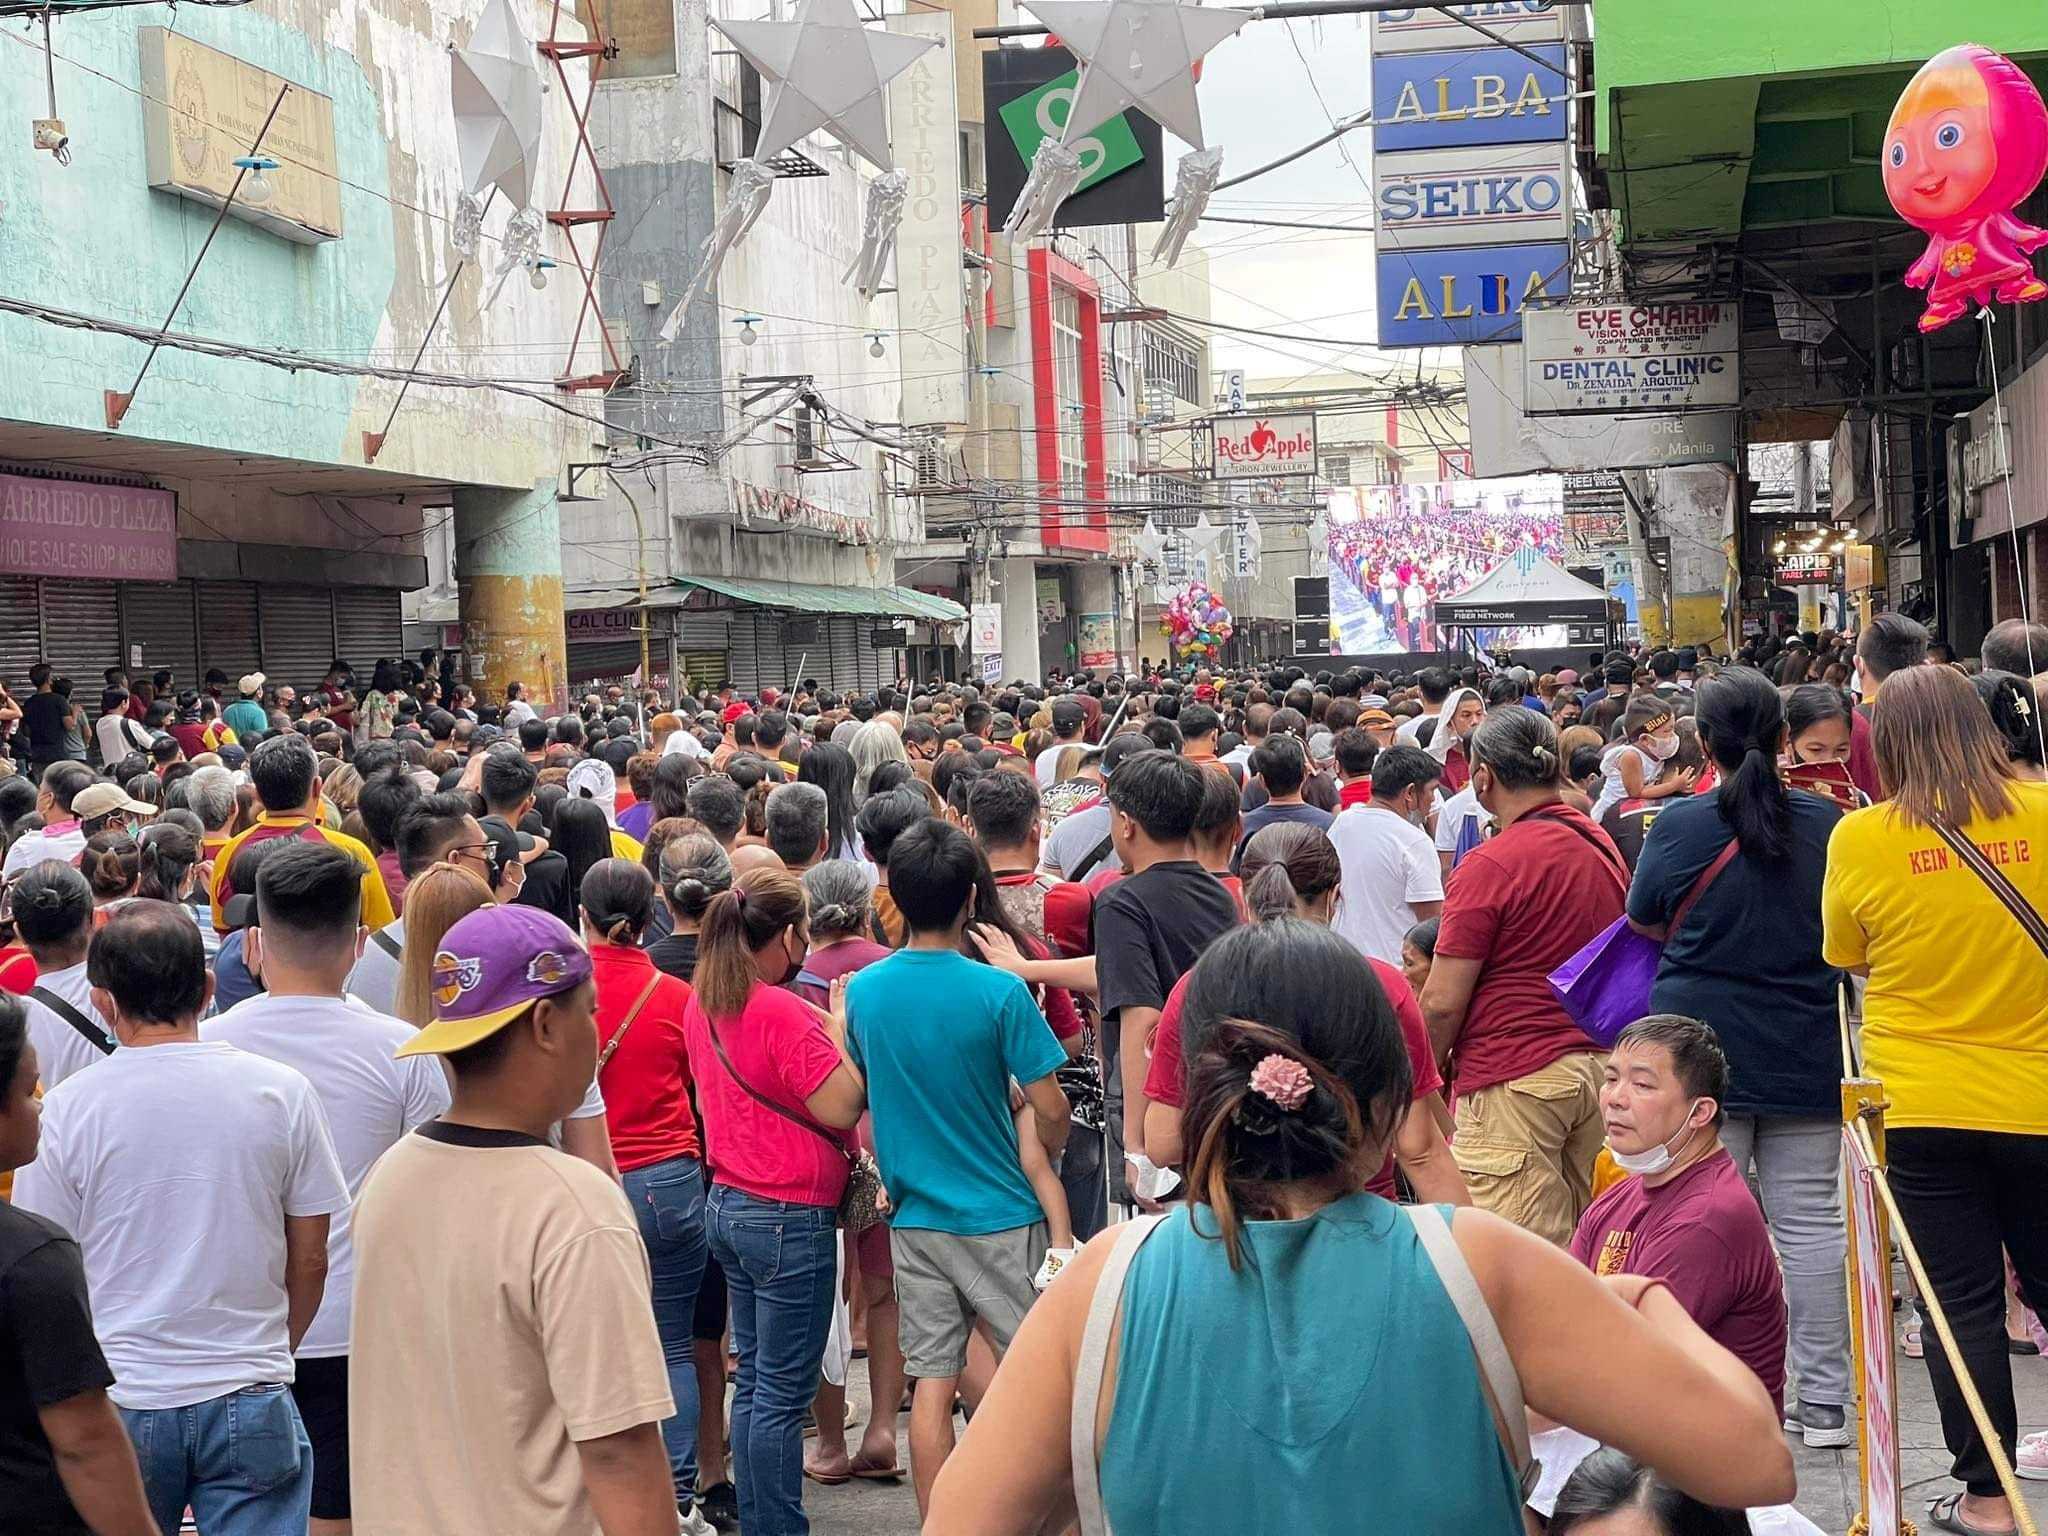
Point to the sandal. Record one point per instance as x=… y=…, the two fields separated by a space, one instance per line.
x=874 y=1473
x=1944 y=1514
x=1909 y=1342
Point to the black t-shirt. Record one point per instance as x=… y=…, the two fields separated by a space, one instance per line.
x=47 y=1355
x=1150 y=928
x=547 y=882
x=676 y=954
x=42 y=716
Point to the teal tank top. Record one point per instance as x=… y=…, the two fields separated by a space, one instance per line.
x=1325 y=1386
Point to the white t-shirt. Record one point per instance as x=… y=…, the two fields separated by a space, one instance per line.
x=60 y=1049
x=118 y=735
x=1460 y=824
x=517 y=713
x=1612 y=790
x=63 y=842
x=175 y=1167
x=1404 y=733
x=370 y=1098
x=1389 y=863
x=683 y=742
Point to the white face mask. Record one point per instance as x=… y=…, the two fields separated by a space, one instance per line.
x=1659 y=1157
x=1662 y=748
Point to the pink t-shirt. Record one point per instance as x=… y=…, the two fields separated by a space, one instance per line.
x=782 y=1051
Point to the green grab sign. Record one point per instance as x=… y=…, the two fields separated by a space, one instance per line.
x=1041 y=113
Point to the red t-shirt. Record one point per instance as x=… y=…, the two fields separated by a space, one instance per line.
x=394 y=879
x=1703 y=1235
x=1862 y=756
x=1457 y=771
x=831 y=963
x=1165 y=1078
x=1523 y=903
x=1357 y=792
x=646 y=1084
x=777 y=1044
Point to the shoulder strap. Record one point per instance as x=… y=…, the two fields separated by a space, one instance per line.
x=94 y=1035
x=1094 y=1360
x=2007 y=893
x=626 y=1023
x=718 y=1045
x=1707 y=877
x=877 y=931
x=1497 y=1375
x=383 y=940
x=1602 y=844
x=1095 y=856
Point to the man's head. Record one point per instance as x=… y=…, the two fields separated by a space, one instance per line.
x=886 y=817
x=1154 y=798
x=1004 y=810
x=382 y=801
x=1435 y=684
x=309 y=900
x=286 y=774
x=1664 y=666
x=210 y=795
x=52 y=907
x=514 y=1011
x=771 y=731
x=932 y=869
x=1565 y=710
x=438 y=827
x=507 y=782
x=533 y=735
x=1665 y=1082
x=1281 y=763
x=1891 y=643
x=1403 y=780
x=1258 y=719
x=1618 y=675
x=719 y=805
x=1354 y=751
x=61 y=784
x=798 y=819
x=1068 y=719
x=1217 y=822
x=1466 y=716
x=1199 y=724
x=2016 y=646
x=148 y=970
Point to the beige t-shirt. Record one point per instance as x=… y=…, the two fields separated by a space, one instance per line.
x=503 y=1311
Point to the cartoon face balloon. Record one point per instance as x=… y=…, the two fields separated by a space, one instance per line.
x=1968 y=142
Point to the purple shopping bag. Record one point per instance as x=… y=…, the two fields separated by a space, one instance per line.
x=1605 y=987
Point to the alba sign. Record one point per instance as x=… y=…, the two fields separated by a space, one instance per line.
x=1263 y=447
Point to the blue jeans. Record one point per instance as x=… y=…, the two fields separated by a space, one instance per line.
x=781 y=1265
x=242 y=1462
x=668 y=1198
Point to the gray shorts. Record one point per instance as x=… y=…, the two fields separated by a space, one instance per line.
x=944 y=1282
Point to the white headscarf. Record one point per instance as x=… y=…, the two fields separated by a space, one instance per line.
x=1440 y=739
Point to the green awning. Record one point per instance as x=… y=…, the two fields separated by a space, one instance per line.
x=813 y=597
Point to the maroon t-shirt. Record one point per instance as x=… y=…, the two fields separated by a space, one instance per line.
x=1523 y=903
x=1703 y=1235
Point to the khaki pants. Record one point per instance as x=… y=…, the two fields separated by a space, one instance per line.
x=1527 y=1147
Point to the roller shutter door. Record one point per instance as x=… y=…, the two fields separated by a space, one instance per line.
x=611 y=661
x=82 y=635
x=368 y=623
x=701 y=650
x=298 y=635
x=757 y=656
x=227 y=630
x=158 y=617
x=21 y=633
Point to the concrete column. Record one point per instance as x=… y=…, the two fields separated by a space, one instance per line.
x=1020 y=618
x=508 y=569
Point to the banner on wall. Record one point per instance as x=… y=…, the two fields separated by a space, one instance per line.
x=924 y=128
x=1097 y=642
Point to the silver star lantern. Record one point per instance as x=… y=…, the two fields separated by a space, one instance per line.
x=825 y=70
x=1204 y=536
x=1137 y=53
x=496 y=91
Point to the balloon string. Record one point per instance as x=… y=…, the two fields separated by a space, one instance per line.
x=1999 y=428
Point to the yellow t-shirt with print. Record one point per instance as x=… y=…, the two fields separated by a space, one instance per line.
x=1956 y=1013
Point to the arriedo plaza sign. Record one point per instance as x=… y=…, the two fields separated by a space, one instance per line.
x=1261 y=447
x=1615 y=358
x=74 y=528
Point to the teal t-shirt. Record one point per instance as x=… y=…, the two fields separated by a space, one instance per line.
x=939 y=1037
x=245 y=717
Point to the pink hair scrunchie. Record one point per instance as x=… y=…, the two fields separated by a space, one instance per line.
x=1283 y=1082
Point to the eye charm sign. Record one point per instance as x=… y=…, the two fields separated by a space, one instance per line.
x=1261 y=447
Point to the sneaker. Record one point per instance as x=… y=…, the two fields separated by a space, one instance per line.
x=694 y=1523
x=2032 y=1458
x=1910 y=1342
x=1821 y=1425
x=1056 y=1259
x=720 y=1504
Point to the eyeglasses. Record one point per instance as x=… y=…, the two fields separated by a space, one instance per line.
x=487 y=851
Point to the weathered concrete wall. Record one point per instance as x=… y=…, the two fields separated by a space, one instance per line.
x=508 y=565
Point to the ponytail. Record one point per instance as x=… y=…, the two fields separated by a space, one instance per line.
x=737 y=922
x=1741 y=720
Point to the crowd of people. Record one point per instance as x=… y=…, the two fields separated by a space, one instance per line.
x=1400 y=548
x=431 y=1115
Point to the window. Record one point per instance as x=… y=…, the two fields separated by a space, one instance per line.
x=1066 y=350
x=1337 y=468
x=1176 y=365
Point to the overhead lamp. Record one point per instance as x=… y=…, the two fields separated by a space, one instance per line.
x=875 y=347
x=256 y=187
x=746 y=323
x=537 y=274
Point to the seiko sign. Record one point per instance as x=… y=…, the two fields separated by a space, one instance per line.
x=1262 y=447
x=1451 y=197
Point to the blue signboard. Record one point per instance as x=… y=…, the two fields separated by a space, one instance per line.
x=1433 y=198
x=1468 y=96
x=1468 y=296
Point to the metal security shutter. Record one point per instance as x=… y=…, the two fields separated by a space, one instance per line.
x=298 y=635
x=846 y=639
x=368 y=623
x=21 y=633
x=82 y=635
x=157 y=616
x=227 y=629
x=757 y=654
x=611 y=661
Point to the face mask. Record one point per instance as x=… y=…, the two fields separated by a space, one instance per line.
x=1659 y=1157
x=1662 y=748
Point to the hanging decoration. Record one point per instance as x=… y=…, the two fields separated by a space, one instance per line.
x=1194 y=180
x=1133 y=53
x=1967 y=143
x=1196 y=622
x=823 y=70
x=519 y=247
x=496 y=89
x=879 y=223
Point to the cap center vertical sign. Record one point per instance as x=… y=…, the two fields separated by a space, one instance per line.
x=1472 y=180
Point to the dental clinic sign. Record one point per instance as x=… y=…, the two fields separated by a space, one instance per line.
x=1617 y=358
x=1263 y=447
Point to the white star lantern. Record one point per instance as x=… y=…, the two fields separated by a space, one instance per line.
x=1133 y=53
x=495 y=90
x=823 y=71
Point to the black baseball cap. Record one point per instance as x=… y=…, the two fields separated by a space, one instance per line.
x=1067 y=714
x=1128 y=744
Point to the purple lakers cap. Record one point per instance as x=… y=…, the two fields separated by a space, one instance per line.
x=491 y=967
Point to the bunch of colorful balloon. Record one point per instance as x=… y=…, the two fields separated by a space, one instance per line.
x=1196 y=622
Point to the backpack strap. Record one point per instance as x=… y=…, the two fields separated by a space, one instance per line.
x=1088 y=1370
x=1094 y=857
x=94 y=1035
x=383 y=940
